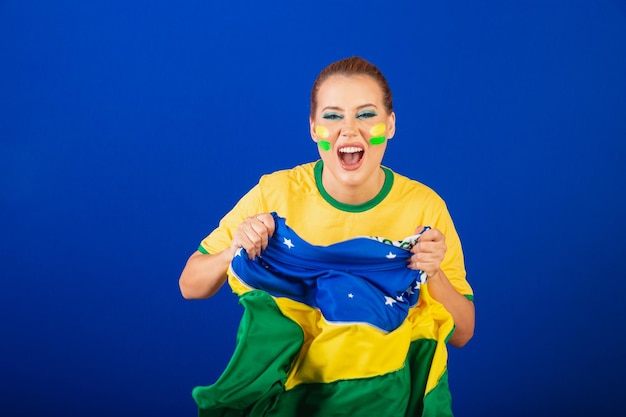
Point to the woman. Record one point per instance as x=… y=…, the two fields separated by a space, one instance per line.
x=346 y=194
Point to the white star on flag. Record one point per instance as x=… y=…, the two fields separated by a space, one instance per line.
x=238 y=253
x=390 y=255
x=350 y=295
x=287 y=242
x=389 y=301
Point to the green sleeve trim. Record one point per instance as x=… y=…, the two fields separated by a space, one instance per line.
x=201 y=249
x=449 y=336
x=469 y=297
x=353 y=208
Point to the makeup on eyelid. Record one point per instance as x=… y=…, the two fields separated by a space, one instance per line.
x=367 y=114
x=332 y=116
x=338 y=116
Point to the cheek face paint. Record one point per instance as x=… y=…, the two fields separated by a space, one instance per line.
x=378 y=129
x=377 y=134
x=322 y=132
x=324 y=145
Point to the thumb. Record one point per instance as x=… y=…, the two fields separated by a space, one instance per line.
x=419 y=229
x=268 y=220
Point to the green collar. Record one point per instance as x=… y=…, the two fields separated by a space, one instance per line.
x=353 y=208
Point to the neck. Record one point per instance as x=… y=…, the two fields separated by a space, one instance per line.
x=354 y=193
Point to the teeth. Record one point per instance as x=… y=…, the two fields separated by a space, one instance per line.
x=350 y=149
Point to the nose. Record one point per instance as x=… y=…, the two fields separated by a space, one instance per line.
x=349 y=128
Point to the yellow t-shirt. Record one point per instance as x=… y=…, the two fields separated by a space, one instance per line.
x=298 y=196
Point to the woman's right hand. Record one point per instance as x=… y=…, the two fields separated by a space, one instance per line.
x=253 y=234
x=204 y=274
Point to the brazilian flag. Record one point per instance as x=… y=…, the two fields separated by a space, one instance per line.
x=339 y=330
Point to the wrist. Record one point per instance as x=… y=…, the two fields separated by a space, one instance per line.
x=435 y=276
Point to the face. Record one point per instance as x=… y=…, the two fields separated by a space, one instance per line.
x=351 y=127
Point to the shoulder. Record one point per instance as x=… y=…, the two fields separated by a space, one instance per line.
x=408 y=188
x=296 y=171
x=301 y=176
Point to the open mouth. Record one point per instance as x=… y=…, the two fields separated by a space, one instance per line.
x=350 y=156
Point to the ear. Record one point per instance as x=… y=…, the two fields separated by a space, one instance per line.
x=312 y=130
x=391 y=125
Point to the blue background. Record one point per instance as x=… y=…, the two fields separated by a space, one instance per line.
x=127 y=129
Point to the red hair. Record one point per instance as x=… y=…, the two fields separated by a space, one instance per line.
x=353 y=66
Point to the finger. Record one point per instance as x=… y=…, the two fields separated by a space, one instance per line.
x=427 y=268
x=425 y=261
x=268 y=220
x=260 y=233
x=422 y=266
x=412 y=262
x=428 y=260
x=249 y=237
x=258 y=229
x=254 y=243
x=432 y=235
x=429 y=246
x=241 y=240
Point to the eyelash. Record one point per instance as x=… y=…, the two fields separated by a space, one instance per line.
x=366 y=115
x=363 y=115
x=332 y=116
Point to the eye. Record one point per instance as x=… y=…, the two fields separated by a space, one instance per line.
x=366 y=114
x=332 y=116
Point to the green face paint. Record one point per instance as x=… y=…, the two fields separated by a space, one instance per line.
x=324 y=145
x=377 y=140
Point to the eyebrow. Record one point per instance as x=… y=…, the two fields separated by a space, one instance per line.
x=340 y=109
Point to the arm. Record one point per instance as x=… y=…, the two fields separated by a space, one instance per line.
x=204 y=275
x=461 y=308
x=428 y=254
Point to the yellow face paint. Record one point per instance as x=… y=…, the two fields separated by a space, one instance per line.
x=378 y=129
x=321 y=131
x=377 y=134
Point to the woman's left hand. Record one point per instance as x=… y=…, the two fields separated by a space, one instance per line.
x=428 y=252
